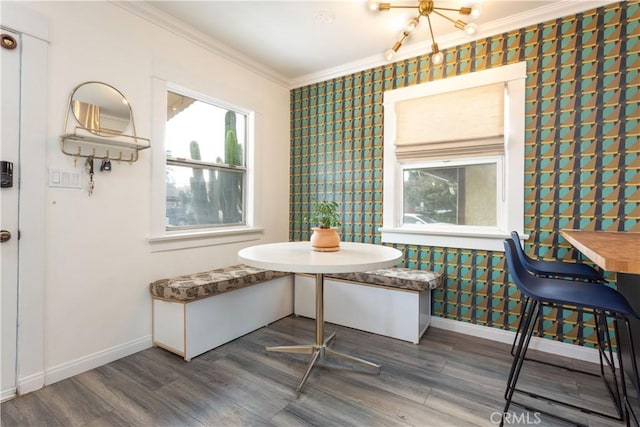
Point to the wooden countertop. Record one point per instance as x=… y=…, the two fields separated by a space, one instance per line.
x=617 y=251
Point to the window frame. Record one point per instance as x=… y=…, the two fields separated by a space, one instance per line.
x=163 y=238
x=512 y=173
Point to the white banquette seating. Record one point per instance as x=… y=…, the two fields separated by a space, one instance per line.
x=192 y=314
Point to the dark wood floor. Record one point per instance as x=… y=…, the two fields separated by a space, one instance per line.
x=448 y=380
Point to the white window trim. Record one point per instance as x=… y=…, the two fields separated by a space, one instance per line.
x=162 y=239
x=467 y=237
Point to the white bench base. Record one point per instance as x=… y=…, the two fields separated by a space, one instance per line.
x=190 y=328
x=397 y=313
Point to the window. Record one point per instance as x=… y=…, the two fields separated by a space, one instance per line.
x=454 y=160
x=460 y=194
x=203 y=170
x=205 y=181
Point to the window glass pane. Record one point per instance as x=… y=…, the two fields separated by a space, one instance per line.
x=201 y=131
x=461 y=195
x=204 y=196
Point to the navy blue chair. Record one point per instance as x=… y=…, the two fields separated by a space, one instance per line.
x=557 y=269
x=601 y=300
x=551 y=269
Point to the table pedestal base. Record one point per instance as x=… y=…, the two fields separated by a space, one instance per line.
x=321 y=348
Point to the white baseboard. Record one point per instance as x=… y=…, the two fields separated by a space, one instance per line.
x=25 y=385
x=7 y=394
x=500 y=335
x=91 y=361
x=30 y=383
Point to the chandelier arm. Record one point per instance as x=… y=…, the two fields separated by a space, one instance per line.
x=446 y=17
x=449 y=9
x=433 y=39
x=401 y=7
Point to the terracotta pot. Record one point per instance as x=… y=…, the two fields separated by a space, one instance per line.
x=325 y=239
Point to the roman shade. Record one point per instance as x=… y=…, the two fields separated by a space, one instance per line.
x=462 y=123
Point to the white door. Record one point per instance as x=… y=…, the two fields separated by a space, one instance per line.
x=9 y=198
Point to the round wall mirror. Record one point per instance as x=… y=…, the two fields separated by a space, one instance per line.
x=101 y=108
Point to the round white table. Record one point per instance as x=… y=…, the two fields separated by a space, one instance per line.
x=298 y=257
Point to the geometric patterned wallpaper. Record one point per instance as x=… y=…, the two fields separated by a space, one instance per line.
x=582 y=154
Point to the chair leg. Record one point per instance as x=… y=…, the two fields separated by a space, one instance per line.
x=523 y=313
x=567 y=368
x=532 y=317
x=634 y=365
x=523 y=345
x=628 y=410
x=528 y=320
x=602 y=332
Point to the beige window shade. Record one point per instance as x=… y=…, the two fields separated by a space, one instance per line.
x=451 y=149
x=453 y=124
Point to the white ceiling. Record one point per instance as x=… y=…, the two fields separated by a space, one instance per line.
x=296 y=42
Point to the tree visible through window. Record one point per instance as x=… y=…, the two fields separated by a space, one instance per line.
x=461 y=195
x=206 y=168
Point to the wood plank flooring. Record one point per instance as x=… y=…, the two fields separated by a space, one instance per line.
x=448 y=379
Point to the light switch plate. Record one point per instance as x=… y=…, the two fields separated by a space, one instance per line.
x=65 y=178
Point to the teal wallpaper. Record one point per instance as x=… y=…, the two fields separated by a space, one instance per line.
x=581 y=153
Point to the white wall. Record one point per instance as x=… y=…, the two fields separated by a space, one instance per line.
x=98 y=259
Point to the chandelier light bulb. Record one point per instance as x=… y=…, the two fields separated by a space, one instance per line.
x=471 y=28
x=374 y=5
x=437 y=58
x=473 y=8
x=411 y=25
x=389 y=54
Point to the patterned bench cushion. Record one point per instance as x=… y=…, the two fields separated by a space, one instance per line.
x=201 y=285
x=395 y=277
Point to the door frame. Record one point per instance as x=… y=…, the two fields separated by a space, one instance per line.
x=10 y=152
x=34 y=30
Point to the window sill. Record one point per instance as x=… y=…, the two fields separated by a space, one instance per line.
x=489 y=239
x=176 y=240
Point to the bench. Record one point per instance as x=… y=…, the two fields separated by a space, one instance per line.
x=195 y=313
x=395 y=302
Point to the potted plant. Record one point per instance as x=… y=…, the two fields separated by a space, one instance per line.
x=325 y=236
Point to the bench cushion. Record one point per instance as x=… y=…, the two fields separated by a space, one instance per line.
x=395 y=277
x=201 y=285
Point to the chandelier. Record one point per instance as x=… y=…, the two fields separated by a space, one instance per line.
x=426 y=8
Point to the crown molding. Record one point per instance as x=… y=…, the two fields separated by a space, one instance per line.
x=177 y=27
x=542 y=14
